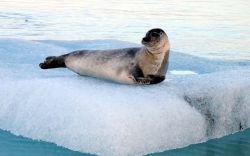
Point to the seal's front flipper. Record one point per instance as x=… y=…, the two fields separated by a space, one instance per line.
x=156 y=78
x=150 y=79
x=53 y=62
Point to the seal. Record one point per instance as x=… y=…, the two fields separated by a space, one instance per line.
x=138 y=65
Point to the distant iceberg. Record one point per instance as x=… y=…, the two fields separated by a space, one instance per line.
x=199 y=100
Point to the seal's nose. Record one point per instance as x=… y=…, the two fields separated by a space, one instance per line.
x=146 y=39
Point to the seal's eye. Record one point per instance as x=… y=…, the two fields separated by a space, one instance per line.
x=155 y=34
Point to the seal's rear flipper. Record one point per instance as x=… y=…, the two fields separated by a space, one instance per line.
x=53 y=62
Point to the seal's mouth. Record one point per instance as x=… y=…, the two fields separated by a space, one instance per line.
x=149 y=40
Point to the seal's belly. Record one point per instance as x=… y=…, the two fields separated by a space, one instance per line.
x=114 y=69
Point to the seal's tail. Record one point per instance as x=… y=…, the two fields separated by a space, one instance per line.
x=53 y=62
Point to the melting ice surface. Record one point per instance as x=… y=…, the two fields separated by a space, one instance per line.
x=200 y=99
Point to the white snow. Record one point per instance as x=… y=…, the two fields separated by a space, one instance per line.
x=201 y=99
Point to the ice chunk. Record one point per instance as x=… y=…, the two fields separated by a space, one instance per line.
x=101 y=118
x=105 y=118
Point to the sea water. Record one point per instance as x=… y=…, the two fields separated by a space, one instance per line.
x=205 y=96
x=211 y=28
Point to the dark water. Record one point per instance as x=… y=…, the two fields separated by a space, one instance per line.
x=237 y=144
x=12 y=145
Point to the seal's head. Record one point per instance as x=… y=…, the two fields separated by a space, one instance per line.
x=155 y=39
